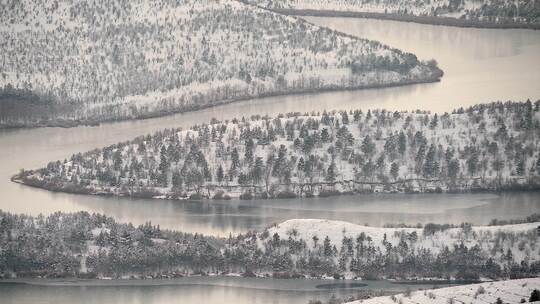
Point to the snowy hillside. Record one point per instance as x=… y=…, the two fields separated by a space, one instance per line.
x=341 y=249
x=511 y=291
x=346 y=250
x=93 y=245
x=486 y=147
x=336 y=230
x=470 y=12
x=85 y=62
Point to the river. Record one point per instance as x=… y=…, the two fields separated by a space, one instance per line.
x=209 y=290
x=480 y=65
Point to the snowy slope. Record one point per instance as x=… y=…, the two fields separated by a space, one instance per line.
x=511 y=291
x=130 y=59
x=495 y=11
x=306 y=229
x=487 y=147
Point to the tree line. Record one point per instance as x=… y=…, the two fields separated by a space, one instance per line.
x=485 y=147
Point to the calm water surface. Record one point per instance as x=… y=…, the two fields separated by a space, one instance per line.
x=213 y=290
x=480 y=65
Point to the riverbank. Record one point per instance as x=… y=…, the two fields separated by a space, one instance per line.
x=510 y=291
x=435 y=76
x=171 y=280
x=294 y=155
x=293 y=190
x=431 y=20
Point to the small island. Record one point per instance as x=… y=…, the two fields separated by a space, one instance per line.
x=83 y=245
x=487 y=147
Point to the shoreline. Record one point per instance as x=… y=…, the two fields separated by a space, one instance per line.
x=153 y=193
x=159 y=280
x=63 y=123
x=429 y=20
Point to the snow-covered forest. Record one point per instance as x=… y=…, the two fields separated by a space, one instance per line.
x=472 y=12
x=69 y=62
x=93 y=245
x=485 y=147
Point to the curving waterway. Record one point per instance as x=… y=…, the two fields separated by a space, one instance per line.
x=212 y=290
x=480 y=65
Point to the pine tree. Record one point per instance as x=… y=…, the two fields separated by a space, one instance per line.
x=527 y=117
x=434 y=122
x=368 y=147
x=235 y=159
x=453 y=169
x=520 y=166
x=327 y=248
x=394 y=170
x=331 y=173
x=220 y=174
x=501 y=133
x=301 y=165
x=248 y=154
x=431 y=166
x=177 y=180
x=325 y=136
x=472 y=163
x=163 y=160
x=258 y=170
x=402 y=143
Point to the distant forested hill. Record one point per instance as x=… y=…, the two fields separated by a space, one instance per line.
x=71 y=62
x=93 y=245
x=476 y=13
x=485 y=147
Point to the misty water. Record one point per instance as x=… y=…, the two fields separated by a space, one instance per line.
x=480 y=65
x=208 y=290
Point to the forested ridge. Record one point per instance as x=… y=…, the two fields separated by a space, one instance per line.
x=70 y=62
x=484 y=147
x=94 y=245
x=492 y=13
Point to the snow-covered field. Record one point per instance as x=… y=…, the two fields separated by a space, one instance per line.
x=335 y=230
x=511 y=291
x=483 y=236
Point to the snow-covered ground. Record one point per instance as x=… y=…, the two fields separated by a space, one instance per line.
x=511 y=291
x=336 y=230
x=488 y=147
x=483 y=236
x=130 y=59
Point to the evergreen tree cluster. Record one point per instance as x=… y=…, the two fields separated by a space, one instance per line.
x=492 y=146
x=93 y=245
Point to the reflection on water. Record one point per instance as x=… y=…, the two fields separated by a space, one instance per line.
x=480 y=65
x=211 y=290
